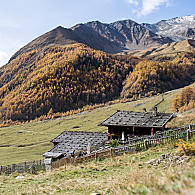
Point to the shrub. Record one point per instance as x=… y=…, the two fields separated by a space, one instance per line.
x=186 y=147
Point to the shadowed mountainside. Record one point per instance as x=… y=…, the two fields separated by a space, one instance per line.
x=111 y=38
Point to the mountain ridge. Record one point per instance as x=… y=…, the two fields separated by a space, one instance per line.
x=116 y=37
x=176 y=28
x=111 y=38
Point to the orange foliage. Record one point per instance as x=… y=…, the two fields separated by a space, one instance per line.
x=60 y=79
x=150 y=77
x=185 y=100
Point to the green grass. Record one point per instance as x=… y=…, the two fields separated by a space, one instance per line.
x=40 y=133
x=125 y=174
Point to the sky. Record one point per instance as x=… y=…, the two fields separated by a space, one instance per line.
x=21 y=21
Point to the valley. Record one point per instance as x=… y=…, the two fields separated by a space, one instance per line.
x=97 y=97
x=43 y=131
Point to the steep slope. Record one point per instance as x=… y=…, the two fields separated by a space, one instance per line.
x=95 y=40
x=153 y=77
x=178 y=29
x=128 y=34
x=59 y=79
x=56 y=37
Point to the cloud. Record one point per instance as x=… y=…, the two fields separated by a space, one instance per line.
x=4 y=57
x=146 y=7
x=133 y=2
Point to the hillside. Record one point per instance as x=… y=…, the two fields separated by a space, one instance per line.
x=125 y=174
x=166 y=51
x=153 y=77
x=60 y=79
x=39 y=134
x=57 y=37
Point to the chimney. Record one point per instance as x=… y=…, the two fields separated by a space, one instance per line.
x=155 y=111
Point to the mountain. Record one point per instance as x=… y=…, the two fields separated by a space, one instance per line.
x=59 y=79
x=111 y=38
x=128 y=34
x=67 y=69
x=177 y=29
x=95 y=40
x=57 y=37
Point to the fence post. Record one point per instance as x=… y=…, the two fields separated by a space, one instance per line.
x=13 y=168
x=188 y=132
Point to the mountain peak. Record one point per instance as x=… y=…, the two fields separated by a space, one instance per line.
x=178 y=28
x=117 y=36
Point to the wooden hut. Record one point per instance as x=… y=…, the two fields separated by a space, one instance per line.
x=124 y=124
x=69 y=142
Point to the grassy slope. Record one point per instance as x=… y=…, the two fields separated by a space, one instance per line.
x=168 y=50
x=39 y=133
x=124 y=174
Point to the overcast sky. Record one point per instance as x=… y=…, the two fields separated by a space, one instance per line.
x=21 y=21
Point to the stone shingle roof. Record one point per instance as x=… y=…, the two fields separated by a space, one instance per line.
x=138 y=119
x=69 y=141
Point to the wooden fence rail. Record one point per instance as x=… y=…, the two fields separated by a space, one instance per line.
x=30 y=166
x=133 y=145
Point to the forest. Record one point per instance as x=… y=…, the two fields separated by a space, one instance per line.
x=53 y=80
x=59 y=79
x=154 y=77
x=185 y=100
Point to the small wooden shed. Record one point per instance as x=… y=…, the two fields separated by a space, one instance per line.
x=124 y=124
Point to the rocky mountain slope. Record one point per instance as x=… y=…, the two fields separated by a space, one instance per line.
x=128 y=34
x=62 y=36
x=111 y=38
x=178 y=29
x=118 y=36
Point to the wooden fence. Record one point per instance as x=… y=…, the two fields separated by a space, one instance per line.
x=143 y=143
x=30 y=166
x=133 y=145
x=68 y=160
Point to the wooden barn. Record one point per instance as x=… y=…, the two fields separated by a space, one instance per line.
x=70 y=142
x=126 y=124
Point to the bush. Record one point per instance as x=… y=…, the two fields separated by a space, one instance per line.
x=186 y=147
